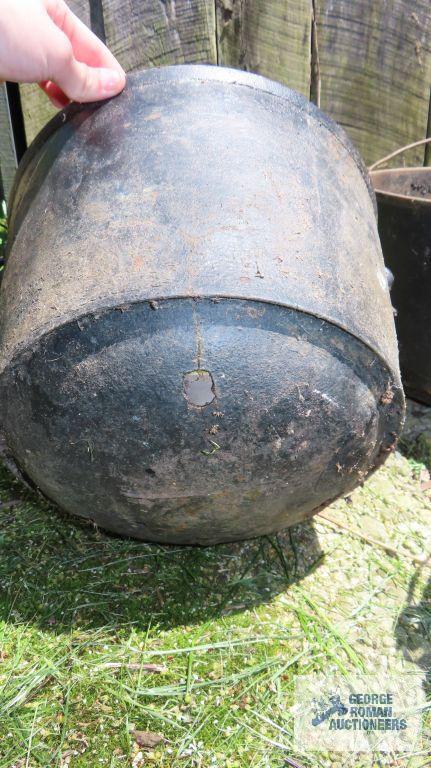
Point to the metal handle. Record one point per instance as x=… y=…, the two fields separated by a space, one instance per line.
x=398 y=152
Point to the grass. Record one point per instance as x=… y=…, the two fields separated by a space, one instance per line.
x=103 y=639
x=224 y=630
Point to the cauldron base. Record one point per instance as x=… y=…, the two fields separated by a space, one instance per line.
x=196 y=421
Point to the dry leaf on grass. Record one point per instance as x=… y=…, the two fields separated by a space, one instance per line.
x=147 y=739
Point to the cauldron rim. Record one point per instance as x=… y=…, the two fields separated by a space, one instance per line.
x=394 y=197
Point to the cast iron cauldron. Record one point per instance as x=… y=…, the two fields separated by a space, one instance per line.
x=197 y=341
x=404 y=205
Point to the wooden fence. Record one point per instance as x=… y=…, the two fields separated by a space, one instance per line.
x=366 y=62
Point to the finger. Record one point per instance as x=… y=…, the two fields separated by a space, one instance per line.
x=54 y=93
x=83 y=83
x=86 y=46
x=78 y=80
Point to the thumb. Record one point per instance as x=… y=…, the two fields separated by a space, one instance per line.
x=81 y=82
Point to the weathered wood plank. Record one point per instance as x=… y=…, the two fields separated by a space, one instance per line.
x=375 y=71
x=270 y=37
x=8 y=160
x=36 y=107
x=160 y=32
x=371 y=60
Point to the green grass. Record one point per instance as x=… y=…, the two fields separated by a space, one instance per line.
x=227 y=628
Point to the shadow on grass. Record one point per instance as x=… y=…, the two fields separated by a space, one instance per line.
x=413 y=629
x=58 y=572
x=415 y=442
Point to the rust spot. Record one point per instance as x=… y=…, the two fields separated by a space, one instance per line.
x=138 y=263
x=388 y=396
x=198 y=388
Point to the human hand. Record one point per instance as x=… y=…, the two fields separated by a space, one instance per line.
x=42 y=41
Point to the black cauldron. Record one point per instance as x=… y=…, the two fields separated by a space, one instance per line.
x=404 y=205
x=197 y=341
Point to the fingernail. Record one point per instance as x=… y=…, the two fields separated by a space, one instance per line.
x=59 y=103
x=111 y=81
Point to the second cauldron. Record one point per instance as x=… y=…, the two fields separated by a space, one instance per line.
x=404 y=207
x=197 y=341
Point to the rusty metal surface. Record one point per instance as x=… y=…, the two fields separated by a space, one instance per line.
x=404 y=204
x=196 y=181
